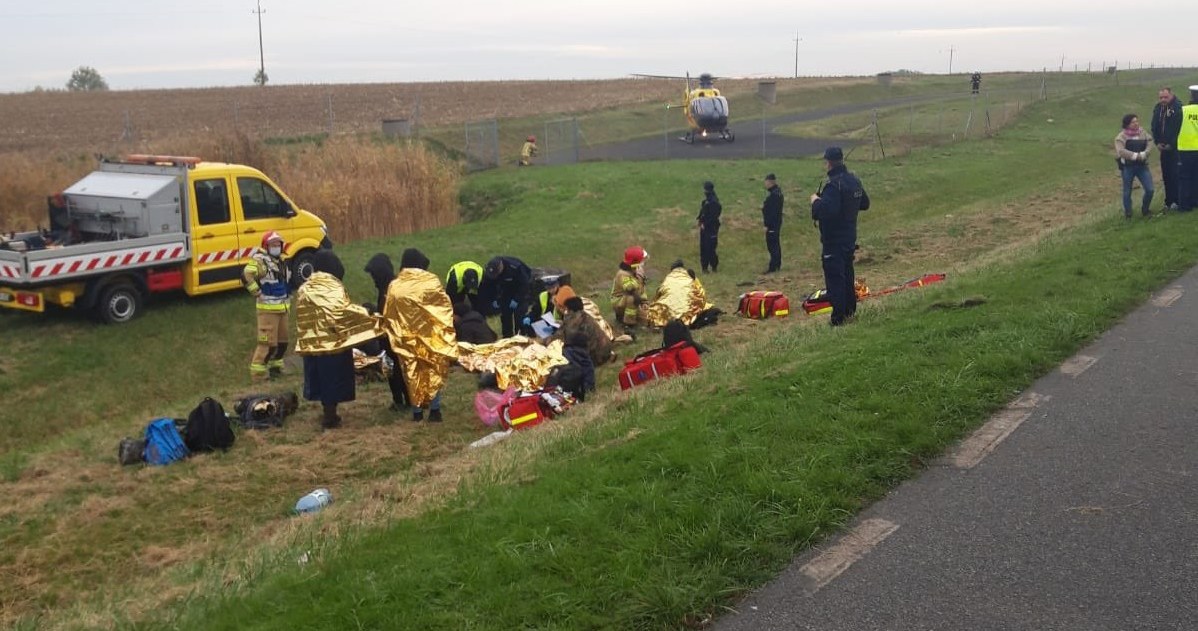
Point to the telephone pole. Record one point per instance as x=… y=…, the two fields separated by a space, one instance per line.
x=950 y=58
x=261 y=54
x=797 y=40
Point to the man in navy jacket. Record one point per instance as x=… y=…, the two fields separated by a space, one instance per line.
x=835 y=210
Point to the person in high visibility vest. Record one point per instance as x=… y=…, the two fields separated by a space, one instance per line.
x=462 y=281
x=268 y=279
x=1187 y=153
x=528 y=151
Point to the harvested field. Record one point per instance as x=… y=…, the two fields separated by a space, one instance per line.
x=94 y=120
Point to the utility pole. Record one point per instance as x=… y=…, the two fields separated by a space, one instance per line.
x=797 y=40
x=950 y=58
x=261 y=54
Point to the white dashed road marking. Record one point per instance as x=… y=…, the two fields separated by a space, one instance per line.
x=972 y=450
x=1168 y=297
x=1078 y=364
x=852 y=546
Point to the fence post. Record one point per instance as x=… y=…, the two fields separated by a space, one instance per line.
x=665 y=129
x=236 y=115
x=575 y=125
x=762 y=128
x=417 y=117
x=911 y=121
x=330 y=106
x=878 y=134
x=969 y=119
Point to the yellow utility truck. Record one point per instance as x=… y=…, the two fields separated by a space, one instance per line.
x=147 y=224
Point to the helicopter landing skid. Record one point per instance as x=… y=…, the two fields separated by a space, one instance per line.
x=725 y=135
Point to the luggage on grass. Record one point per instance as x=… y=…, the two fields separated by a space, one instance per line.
x=759 y=305
x=680 y=358
x=208 y=427
x=164 y=444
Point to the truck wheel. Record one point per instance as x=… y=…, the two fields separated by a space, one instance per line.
x=302 y=268
x=119 y=303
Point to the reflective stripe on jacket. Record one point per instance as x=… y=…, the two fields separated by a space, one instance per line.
x=1187 y=139
x=267 y=278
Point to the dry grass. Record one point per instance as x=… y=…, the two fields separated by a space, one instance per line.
x=361 y=188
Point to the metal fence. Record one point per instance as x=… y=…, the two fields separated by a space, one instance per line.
x=481 y=148
x=560 y=142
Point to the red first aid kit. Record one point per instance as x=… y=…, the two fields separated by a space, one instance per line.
x=759 y=305
x=678 y=359
x=525 y=412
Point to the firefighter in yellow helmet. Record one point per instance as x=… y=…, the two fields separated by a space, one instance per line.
x=529 y=151
x=269 y=280
x=628 y=289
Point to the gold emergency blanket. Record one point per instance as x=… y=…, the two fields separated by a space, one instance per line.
x=592 y=310
x=516 y=361
x=326 y=321
x=418 y=319
x=680 y=297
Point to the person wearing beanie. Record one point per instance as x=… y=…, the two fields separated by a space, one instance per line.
x=834 y=209
x=628 y=289
x=1187 y=154
x=1132 y=146
x=709 y=228
x=419 y=319
x=510 y=282
x=381 y=272
x=328 y=326
x=771 y=217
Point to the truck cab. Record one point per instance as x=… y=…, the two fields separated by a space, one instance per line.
x=148 y=224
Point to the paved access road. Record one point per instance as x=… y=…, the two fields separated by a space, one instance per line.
x=748 y=143
x=1076 y=508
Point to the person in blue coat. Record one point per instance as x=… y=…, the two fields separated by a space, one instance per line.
x=834 y=209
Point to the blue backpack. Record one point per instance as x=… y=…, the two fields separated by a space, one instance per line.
x=164 y=445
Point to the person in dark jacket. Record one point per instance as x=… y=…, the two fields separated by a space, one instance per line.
x=835 y=210
x=381 y=272
x=470 y=325
x=771 y=217
x=511 y=282
x=709 y=228
x=1166 y=124
x=575 y=351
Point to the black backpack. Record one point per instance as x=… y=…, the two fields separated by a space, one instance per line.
x=569 y=378
x=208 y=428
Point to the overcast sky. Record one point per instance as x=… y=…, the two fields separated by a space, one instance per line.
x=158 y=44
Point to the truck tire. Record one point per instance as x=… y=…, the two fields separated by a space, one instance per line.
x=119 y=303
x=301 y=267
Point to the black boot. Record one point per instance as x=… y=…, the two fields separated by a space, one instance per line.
x=434 y=416
x=330 y=419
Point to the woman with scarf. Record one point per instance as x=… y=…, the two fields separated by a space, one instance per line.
x=328 y=326
x=1132 y=146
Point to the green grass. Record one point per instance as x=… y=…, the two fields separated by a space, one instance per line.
x=594 y=515
x=718 y=489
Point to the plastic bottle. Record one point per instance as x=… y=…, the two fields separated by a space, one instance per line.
x=314 y=501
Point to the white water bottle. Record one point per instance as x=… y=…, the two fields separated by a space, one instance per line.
x=314 y=501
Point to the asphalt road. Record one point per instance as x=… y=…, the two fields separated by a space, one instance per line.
x=1084 y=518
x=748 y=143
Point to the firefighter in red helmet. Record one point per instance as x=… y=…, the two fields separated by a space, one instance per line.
x=628 y=289
x=267 y=277
x=529 y=151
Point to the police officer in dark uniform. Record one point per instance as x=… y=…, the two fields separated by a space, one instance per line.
x=511 y=284
x=975 y=82
x=835 y=209
x=771 y=218
x=709 y=228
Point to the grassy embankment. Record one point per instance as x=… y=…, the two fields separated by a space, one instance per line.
x=650 y=510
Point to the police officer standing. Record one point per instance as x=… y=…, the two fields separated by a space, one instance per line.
x=835 y=209
x=511 y=284
x=771 y=217
x=1166 y=122
x=1187 y=153
x=975 y=82
x=709 y=228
